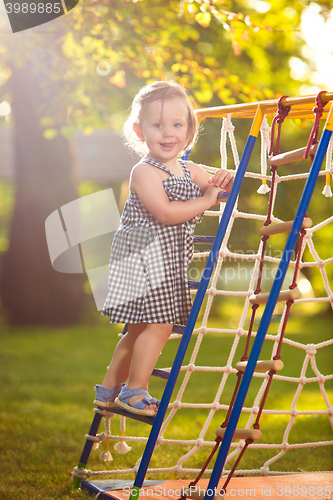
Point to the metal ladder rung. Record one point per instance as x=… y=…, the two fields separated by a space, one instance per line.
x=204 y=239
x=160 y=373
x=223 y=196
x=178 y=329
x=128 y=414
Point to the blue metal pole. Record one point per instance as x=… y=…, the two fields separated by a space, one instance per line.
x=196 y=306
x=87 y=449
x=267 y=315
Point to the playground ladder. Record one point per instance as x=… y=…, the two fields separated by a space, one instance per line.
x=270 y=300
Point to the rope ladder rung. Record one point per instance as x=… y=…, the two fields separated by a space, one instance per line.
x=290 y=156
x=283 y=227
x=253 y=434
x=262 y=366
x=262 y=298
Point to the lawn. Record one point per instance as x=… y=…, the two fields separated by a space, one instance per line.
x=46 y=388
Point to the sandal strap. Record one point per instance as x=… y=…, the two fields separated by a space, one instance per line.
x=141 y=405
x=126 y=394
x=107 y=394
x=151 y=401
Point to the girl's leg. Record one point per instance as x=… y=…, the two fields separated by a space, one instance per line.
x=119 y=368
x=135 y=357
x=146 y=350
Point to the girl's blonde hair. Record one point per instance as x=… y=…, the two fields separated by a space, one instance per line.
x=158 y=90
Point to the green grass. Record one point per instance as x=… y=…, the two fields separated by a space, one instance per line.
x=46 y=391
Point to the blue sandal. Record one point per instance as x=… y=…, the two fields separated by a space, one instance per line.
x=139 y=408
x=105 y=397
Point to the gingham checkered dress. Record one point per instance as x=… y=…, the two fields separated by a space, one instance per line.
x=149 y=260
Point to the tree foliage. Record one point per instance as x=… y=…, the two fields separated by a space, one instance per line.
x=222 y=52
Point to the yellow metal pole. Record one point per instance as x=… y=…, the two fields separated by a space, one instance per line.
x=248 y=110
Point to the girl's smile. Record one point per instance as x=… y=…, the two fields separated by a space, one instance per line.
x=164 y=129
x=168 y=145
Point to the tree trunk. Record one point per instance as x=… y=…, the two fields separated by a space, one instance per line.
x=33 y=293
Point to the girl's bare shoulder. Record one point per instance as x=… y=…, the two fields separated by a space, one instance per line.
x=140 y=169
x=141 y=172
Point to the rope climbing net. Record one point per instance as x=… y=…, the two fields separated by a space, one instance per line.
x=268 y=419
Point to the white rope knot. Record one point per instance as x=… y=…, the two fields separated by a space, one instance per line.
x=177 y=405
x=97 y=439
x=285 y=445
x=200 y=442
x=227 y=124
x=81 y=473
x=311 y=350
x=264 y=470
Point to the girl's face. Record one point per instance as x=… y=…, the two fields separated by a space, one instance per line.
x=164 y=128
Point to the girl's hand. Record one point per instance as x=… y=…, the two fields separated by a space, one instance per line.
x=222 y=179
x=211 y=195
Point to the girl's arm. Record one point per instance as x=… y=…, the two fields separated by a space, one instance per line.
x=222 y=178
x=146 y=182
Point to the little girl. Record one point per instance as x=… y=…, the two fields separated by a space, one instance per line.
x=153 y=246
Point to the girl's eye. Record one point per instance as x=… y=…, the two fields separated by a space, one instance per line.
x=157 y=125
x=177 y=125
